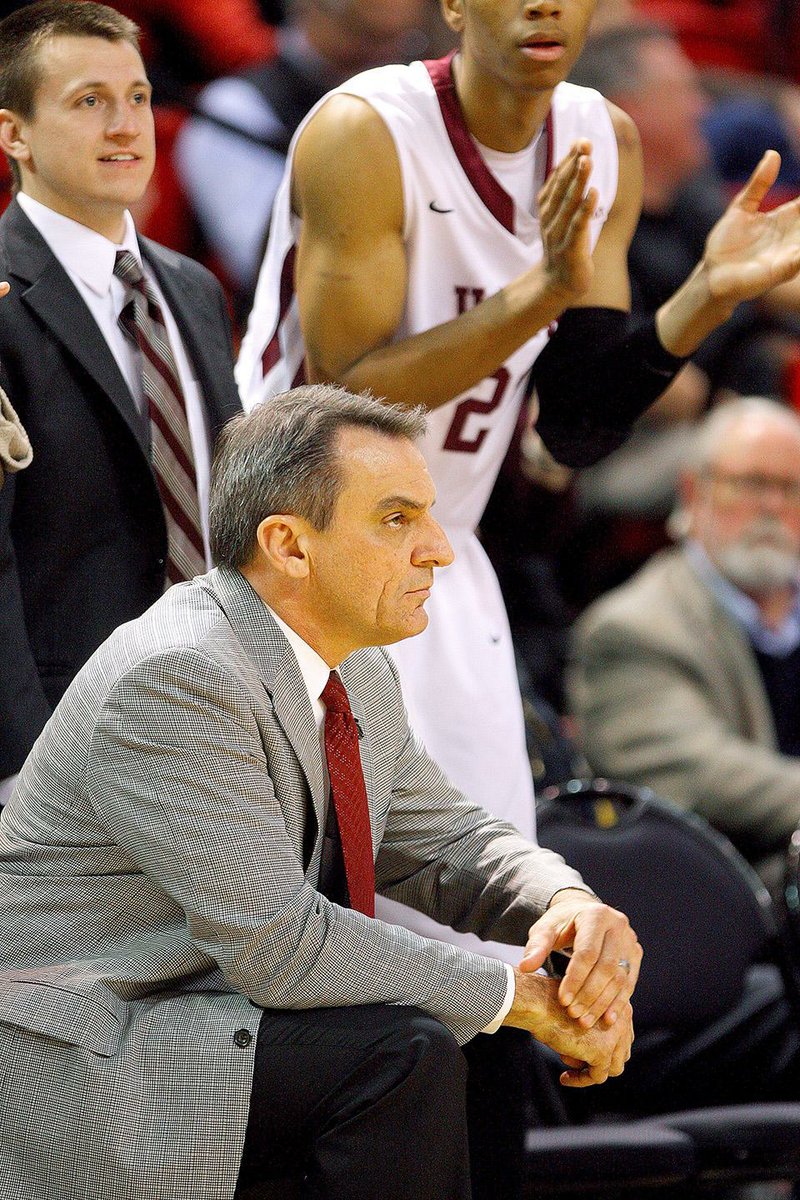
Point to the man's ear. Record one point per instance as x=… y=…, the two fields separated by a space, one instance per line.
x=681 y=523
x=688 y=486
x=12 y=140
x=453 y=13
x=283 y=544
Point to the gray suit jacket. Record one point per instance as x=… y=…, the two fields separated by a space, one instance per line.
x=155 y=896
x=668 y=694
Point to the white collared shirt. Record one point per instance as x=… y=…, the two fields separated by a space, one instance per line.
x=88 y=259
x=315 y=672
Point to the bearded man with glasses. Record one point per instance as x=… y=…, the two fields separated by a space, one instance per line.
x=687 y=678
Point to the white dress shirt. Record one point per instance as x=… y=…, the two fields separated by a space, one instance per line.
x=315 y=672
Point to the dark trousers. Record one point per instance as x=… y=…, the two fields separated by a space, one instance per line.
x=365 y=1102
x=498 y=1112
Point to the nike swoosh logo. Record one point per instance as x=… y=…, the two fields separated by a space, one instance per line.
x=434 y=207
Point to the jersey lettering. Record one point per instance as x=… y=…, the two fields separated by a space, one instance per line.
x=468 y=297
x=455 y=439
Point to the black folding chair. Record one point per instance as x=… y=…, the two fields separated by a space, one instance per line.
x=714 y=962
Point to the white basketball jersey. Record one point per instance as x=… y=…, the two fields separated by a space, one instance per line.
x=465 y=239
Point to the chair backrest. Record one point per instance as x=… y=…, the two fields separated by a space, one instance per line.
x=702 y=914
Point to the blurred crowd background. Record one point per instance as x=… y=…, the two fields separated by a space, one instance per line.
x=710 y=83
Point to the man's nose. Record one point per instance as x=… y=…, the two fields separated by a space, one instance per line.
x=436 y=550
x=123 y=120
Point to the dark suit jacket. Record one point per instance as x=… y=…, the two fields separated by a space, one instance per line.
x=82 y=533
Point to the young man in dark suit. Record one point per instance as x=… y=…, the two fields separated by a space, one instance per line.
x=90 y=536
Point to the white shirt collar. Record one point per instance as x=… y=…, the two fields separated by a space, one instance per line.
x=81 y=251
x=313 y=668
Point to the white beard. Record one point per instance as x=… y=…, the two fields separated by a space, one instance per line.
x=764 y=559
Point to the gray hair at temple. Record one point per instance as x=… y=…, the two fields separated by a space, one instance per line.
x=282 y=458
x=711 y=433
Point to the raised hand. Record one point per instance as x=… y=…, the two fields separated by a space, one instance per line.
x=565 y=208
x=748 y=251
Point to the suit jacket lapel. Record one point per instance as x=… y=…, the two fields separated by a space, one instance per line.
x=48 y=291
x=267 y=648
x=200 y=327
x=733 y=651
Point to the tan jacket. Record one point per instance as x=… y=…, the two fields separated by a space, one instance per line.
x=668 y=694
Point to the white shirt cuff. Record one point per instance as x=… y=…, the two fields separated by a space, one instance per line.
x=494 y=1025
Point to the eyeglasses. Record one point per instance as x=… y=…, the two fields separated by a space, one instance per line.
x=753 y=486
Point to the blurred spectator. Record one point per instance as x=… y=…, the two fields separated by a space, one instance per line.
x=230 y=157
x=610 y=13
x=749 y=54
x=761 y=36
x=188 y=42
x=687 y=679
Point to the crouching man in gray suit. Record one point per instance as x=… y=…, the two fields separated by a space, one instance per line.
x=192 y=988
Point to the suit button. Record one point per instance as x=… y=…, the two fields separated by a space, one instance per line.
x=243 y=1037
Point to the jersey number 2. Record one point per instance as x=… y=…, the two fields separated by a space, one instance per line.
x=455 y=439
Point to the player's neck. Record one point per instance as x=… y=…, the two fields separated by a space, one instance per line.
x=496 y=115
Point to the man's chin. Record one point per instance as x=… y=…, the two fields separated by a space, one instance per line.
x=412 y=627
x=760 y=568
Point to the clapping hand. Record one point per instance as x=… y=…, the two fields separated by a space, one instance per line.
x=565 y=209
x=749 y=251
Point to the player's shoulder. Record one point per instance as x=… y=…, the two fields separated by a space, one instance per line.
x=360 y=107
x=347 y=146
x=584 y=108
x=625 y=129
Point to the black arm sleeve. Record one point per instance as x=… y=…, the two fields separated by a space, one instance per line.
x=600 y=370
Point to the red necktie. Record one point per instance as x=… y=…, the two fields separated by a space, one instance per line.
x=349 y=795
x=171 y=445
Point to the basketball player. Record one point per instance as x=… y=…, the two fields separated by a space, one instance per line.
x=434 y=223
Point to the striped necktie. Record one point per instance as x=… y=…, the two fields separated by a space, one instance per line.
x=349 y=795
x=171 y=448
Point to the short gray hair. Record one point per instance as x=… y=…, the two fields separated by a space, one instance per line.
x=714 y=428
x=282 y=458
x=712 y=432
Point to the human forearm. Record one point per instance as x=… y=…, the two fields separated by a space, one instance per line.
x=448 y=857
x=691 y=314
x=352 y=276
x=598 y=373
x=433 y=367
